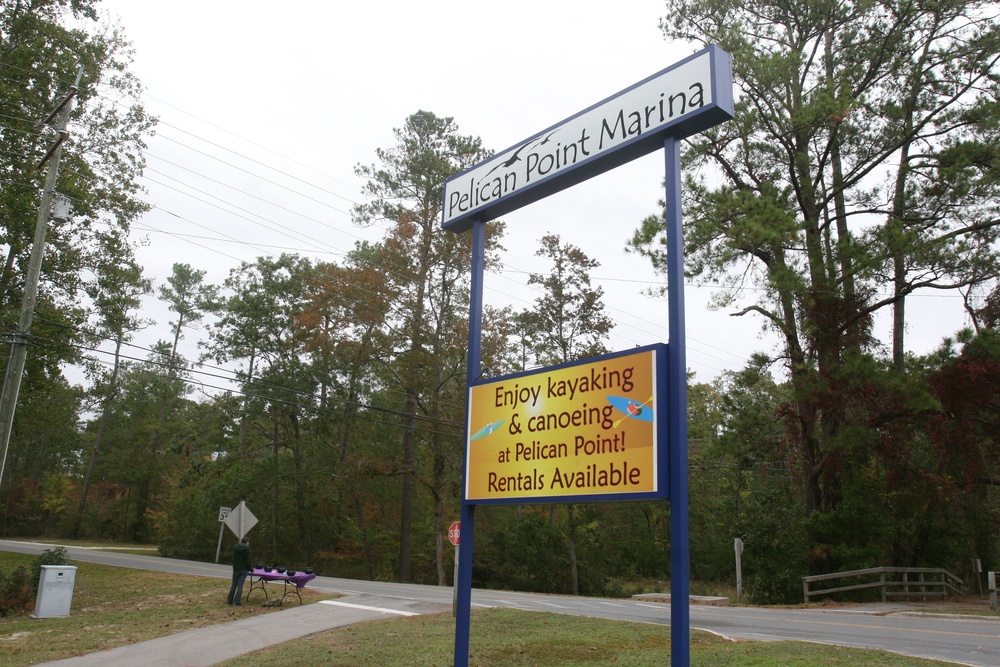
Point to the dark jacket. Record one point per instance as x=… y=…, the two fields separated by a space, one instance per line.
x=242 y=559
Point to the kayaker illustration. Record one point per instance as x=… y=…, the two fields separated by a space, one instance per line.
x=486 y=430
x=631 y=408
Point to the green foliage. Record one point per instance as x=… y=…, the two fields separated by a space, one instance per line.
x=965 y=447
x=774 y=536
x=16 y=591
x=568 y=321
x=189 y=530
x=521 y=549
x=886 y=113
x=41 y=454
x=55 y=556
x=346 y=439
x=527 y=547
x=420 y=363
x=854 y=530
x=44 y=45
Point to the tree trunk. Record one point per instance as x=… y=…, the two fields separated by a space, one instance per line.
x=277 y=486
x=363 y=523
x=895 y=226
x=413 y=378
x=246 y=399
x=305 y=542
x=845 y=250
x=101 y=429
x=574 y=574
x=406 y=502
x=439 y=528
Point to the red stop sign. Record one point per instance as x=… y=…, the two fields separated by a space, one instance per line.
x=454 y=532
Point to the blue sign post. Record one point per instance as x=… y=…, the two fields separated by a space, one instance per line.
x=467 y=517
x=680 y=557
x=681 y=100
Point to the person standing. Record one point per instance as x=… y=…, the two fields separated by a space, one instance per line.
x=242 y=563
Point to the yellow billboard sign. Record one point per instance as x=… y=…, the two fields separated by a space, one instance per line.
x=589 y=430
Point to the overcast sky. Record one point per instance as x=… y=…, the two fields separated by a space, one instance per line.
x=266 y=108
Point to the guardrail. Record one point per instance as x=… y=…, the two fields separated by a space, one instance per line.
x=904 y=582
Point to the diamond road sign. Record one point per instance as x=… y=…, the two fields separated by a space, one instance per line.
x=240 y=520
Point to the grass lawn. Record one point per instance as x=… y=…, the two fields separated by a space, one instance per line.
x=117 y=606
x=114 y=606
x=514 y=638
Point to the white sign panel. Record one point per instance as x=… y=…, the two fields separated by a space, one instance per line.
x=683 y=99
x=240 y=520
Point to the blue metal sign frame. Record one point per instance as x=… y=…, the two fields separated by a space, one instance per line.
x=676 y=371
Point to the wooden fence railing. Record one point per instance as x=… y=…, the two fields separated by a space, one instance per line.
x=905 y=582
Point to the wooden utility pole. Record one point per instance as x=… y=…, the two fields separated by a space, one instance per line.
x=19 y=345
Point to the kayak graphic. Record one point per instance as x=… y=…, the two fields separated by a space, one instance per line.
x=631 y=408
x=486 y=430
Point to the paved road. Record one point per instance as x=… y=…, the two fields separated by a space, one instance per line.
x=964 y=640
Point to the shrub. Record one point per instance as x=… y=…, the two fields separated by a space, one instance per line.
x=57 y=556
x=16 y=592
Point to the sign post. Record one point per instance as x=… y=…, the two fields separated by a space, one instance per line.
x=223 y=513
x=738 y=548
x=508 y=460
x=454 y=536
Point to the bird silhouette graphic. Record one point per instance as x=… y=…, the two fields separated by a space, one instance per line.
x=546 y=139
x=516 y=155
x=509 y=162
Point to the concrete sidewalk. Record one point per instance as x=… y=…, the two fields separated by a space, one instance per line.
x=213 y=644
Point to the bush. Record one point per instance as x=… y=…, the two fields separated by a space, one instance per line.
x=57 y=556
x=19 y=589
x=16 y=592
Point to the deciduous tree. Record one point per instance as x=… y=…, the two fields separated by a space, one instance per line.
x=116 y=294
x=860 y=167
x=43 y=45
x=430 y=276
x=566 y=323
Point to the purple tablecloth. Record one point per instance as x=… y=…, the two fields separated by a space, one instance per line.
x=300 y=579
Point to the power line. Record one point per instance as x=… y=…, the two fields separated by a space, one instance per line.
x=40 y=342
x=611 y=307
x=287 y=232
x=220 y=372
